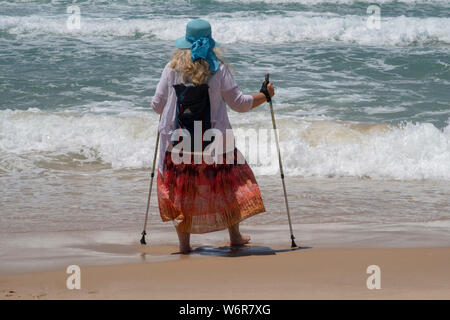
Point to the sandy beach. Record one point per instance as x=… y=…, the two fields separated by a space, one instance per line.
x=253 y=272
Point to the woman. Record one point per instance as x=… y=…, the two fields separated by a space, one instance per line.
x=203 y=197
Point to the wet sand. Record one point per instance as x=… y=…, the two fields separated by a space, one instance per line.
x=348 y=224
x=252 y=272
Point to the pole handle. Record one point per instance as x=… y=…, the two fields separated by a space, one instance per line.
x=264 y=88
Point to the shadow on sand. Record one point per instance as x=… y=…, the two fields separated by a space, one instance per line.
x=241 y=251
x=161 y=251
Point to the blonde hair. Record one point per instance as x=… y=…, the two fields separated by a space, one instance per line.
x=196 y=72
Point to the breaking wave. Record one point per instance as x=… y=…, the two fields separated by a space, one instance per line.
x=243 y=27
x=35 y=139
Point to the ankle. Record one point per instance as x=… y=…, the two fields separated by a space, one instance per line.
x=234 y=230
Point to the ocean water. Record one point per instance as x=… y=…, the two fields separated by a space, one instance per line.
x=363 y=114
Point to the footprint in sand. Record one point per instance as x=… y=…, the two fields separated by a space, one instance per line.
x=39 y=296
x=9 y=293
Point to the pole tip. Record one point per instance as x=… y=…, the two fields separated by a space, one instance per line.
x=143 y=237
x=293 y=244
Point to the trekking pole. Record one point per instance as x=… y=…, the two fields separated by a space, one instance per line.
x=144 y=233
x=293 y=245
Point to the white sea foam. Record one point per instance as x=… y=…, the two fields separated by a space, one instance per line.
x=334 y=28
x=415 y=151
x=309 y=148
x=383 y=110
x=314 y=2
x=244 y=27
x=120 y=140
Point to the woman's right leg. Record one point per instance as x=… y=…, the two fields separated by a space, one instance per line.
x=184 y=239
x=236 y=238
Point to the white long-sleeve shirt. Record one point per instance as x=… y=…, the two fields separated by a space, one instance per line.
x=223 y=90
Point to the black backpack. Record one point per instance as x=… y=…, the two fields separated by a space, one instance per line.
x=192 y=105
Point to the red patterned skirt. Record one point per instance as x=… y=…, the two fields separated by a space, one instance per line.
x=202 y=198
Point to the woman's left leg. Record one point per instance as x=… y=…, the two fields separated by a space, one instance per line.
x=184 y=239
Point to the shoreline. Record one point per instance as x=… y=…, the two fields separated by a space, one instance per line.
x=24 y=252
x=251 y=273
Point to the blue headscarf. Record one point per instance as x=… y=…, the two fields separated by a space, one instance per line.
x=201 y=48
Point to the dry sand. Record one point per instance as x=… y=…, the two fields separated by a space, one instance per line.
x=415 y=273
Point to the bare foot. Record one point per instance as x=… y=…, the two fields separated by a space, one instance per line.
x=236 y=237
x=239 y=239
x=185 y=250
